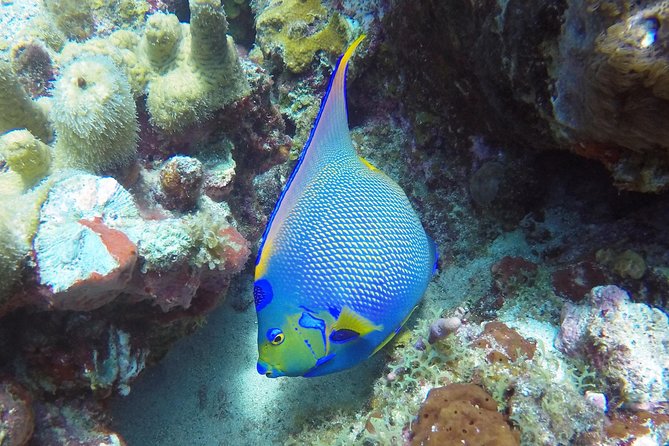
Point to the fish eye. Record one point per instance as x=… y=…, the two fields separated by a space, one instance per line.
x=275 y=336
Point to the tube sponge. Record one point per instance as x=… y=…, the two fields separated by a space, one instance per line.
x=94 y=115
x=18 y=110
x=25 y=155
x=208 y=27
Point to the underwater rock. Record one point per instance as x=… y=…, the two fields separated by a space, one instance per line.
x=73 y=421
x=590 y=78
x=485 y=182
x=575 y=281
x=511 y=273
x=181 y=182
x=17 y=420
x=74 y=352
x=626 y=342
x=460 y=414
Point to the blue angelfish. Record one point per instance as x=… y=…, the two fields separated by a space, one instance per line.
x=344 y=259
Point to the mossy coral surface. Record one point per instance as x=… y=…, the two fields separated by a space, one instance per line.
x=94 y=116
x=299 y=29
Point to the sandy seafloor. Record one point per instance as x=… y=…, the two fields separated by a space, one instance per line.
x=207 y=392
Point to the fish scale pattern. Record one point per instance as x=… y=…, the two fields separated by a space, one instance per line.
x=354 y=239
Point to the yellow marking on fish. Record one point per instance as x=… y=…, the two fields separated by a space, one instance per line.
x=350 y=320
x=261 y=267
x=368 y=164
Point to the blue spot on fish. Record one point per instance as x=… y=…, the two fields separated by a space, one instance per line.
x=262 y=294
x=341 y=336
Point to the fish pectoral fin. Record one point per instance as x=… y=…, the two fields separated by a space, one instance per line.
x=351 y=322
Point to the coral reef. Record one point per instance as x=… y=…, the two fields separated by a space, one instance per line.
x=503 y=121
x=207 y=74
x=461 y=414
x=625 y=342
x=79 y=20
x=13 y=251
x=83 y=260
x=94 y=116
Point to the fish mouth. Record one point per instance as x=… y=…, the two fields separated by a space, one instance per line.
x=265 y=369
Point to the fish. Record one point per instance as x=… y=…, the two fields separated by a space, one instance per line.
x=344 y=258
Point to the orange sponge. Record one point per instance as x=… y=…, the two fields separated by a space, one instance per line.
x=461 y=414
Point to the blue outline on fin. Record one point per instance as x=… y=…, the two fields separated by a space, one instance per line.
x=307 y=145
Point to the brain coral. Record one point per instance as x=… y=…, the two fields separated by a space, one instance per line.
x=461 y=414
x=94 y=115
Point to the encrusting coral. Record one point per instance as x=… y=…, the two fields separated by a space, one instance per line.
x=18 y=109
x=94 y=115
x=298 y=29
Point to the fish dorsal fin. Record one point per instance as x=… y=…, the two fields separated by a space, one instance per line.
x=329 y=139
x=350 y=321
x=330 y=132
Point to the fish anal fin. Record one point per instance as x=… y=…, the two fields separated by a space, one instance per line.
x=383 y=344
x=350 y=321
